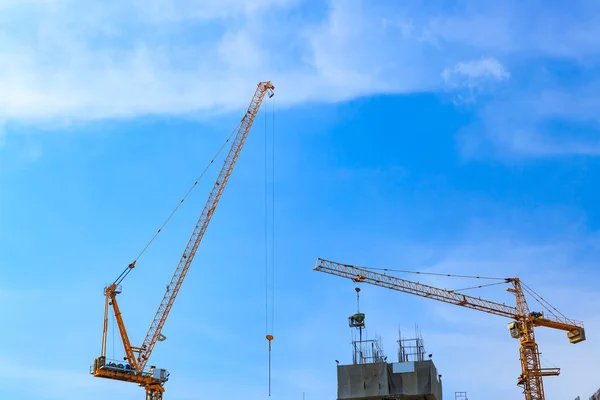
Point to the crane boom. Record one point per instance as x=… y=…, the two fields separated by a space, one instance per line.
x=532 y=372
x=362 y=275
x=205 y=217
x=154 y=379
x=358 y=274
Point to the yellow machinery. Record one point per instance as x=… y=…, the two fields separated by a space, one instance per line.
x=521 y=328
x=136 y=358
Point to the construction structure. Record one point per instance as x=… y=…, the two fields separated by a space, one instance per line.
x=460 y=396
x=522 y=327
x=133 y=369
x=372 y=377
x=595 y=396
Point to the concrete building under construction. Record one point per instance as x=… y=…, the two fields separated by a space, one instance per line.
x=372 y=377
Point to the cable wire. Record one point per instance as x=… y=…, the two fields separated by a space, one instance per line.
x=269 y=272
x=113 y=337
x=266 y=229
x=273 y=221
x=477 y=287
x=547 y=361
x=269 y=230
x=435 y=274
x=121 y=277
x=541 y=300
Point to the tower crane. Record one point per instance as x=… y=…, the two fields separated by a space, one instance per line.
x=521 y=328
x=134 y=370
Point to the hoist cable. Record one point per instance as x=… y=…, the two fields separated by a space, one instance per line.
x=269 y=370
x=113 y=337
x=269 y=283
x=273 y=220
x=266 y=238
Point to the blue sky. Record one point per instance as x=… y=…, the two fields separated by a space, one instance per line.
x=460 y=137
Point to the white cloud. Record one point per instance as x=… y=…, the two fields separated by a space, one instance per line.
x=506 y=28
x=484 y=68
x=2 y=134
x=521 y=124
x=161 y=11
x=117 y=60
x=124 y=59
x=535 y=143
x=535 y=113
x=74 y=60
x=468 y=79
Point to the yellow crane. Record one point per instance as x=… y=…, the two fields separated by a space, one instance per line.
x=521 y=328
x=134 y=370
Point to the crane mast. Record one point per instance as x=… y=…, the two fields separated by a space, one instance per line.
x=134 y=371
x=522 y=327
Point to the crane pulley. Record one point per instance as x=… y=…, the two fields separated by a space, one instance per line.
x=137 y=357
x=521 y=328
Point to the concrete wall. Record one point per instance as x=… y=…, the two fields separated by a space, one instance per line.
x=403 y=381
x=362 y=380
x=422 y=380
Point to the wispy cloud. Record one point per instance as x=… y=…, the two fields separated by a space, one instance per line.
x=561 y=30
x=467 y=79
x=484 y=68
x=557 y=120
x=62 y=59
x=131 y=58
x=545 y=110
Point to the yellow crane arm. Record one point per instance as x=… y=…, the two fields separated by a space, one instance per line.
x=358 y=274
x=196 y=237
x=111 y=298
x=555 y=323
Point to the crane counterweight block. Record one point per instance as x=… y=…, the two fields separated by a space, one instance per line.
x=576 y=335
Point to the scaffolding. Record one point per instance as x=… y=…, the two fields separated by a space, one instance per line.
x=460 y=396
x=411 y=349
x=367 y=351
x=364 y=351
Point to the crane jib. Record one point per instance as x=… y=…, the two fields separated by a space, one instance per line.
x=203 y=221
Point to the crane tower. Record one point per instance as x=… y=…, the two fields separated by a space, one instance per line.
x=136 y=357
x=522 y=326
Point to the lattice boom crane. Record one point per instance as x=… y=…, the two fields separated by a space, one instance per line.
x=134 y=371
x=521 y=328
